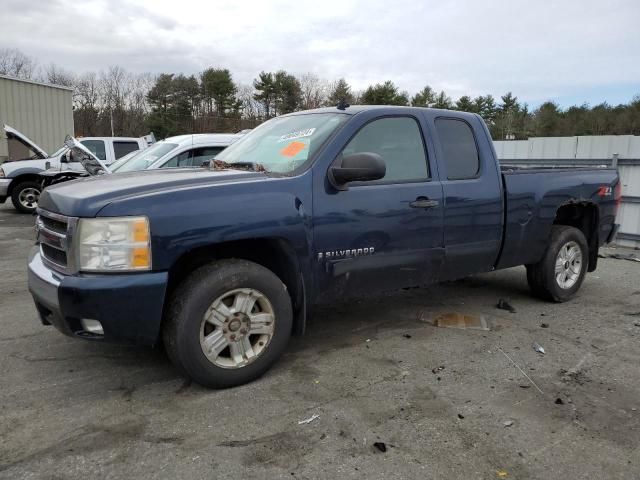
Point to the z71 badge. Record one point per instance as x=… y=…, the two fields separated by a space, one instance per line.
x=354 y=252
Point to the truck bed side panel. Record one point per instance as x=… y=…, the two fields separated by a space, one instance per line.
x=534 y=196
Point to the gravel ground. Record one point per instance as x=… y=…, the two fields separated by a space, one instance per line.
x=446 y=403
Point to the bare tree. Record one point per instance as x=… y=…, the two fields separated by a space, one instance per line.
x=251 y=108
x=314 y=91
x=57 y=76
x=16 y=64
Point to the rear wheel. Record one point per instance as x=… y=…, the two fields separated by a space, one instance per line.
x=560 y=273
x=25 y=196
x=228 y=323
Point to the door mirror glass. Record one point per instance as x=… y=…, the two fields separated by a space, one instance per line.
x=357 y=167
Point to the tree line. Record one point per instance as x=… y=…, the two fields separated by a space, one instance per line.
x=115 y=101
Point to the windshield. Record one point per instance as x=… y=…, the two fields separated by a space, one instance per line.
x=283 y=144
x=144 y=158
x=115 y=165
x=59 y=152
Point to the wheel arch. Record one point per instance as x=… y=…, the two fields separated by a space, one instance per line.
x=274 y=253
x=23 y=177
x=585 y=216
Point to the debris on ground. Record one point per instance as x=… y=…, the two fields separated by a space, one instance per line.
x=538 y=348
x=502 y=473
x=525 y=386
x=544 y=325
x=460 y=416
x=437 y=369
x=622 y=256
x=505 y=305
x=520 y=369
x=313 y=417
x=636 y=324
x=461 y=321
x=507 y=423
x=381 y=446
x=406 y=335
x=559 y=401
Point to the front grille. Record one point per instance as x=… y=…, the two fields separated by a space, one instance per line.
x=54 y=255
x=54 y=232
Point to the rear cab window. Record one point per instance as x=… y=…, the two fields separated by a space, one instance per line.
x=459 y=148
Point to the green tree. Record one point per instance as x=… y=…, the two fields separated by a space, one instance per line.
x=218 y=90
x=547 y=119
x=265 y=93
x=443 y=101
x=340 y=91
x=464 y=104
x=288 y=94
x=424 y=98
x=485 y=106
x=278 y=92
x=173 y=100
x=384 y=94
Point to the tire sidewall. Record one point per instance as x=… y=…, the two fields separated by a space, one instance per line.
x=15 y=195
x=563 y=236
x=210 y=283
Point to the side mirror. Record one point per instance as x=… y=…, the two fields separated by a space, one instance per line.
x=357 y=167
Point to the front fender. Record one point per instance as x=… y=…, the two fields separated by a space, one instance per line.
x=187 y=219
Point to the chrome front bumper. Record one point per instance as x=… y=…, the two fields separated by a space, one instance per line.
x=4 y=187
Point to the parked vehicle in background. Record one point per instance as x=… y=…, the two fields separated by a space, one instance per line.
x=19 y=176
x=179 y=151
x=224 y=263
x=176 y=152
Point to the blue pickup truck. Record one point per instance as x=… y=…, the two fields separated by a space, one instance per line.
x=224 y=263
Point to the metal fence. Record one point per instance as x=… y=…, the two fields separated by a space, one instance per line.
x=592 y=151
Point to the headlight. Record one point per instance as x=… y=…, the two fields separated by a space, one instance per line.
x=114 y=244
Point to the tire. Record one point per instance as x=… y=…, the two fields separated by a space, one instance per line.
x=543 y=280
x=215 y=290
x=25 y=195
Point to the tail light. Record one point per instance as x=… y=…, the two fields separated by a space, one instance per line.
x=617 y=195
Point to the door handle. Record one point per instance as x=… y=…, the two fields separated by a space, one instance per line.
x=424 y=202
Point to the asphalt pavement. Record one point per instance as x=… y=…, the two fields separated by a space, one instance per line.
x=386 y=394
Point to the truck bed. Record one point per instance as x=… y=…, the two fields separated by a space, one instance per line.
x=531 y=204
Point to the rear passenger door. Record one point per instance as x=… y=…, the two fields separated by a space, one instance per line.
x=471 y=182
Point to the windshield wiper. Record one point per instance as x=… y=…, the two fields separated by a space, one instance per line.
x=245 y=166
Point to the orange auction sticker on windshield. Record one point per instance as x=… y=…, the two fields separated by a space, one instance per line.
x=292 y=149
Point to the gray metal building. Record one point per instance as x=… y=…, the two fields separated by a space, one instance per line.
x=593 y=151
x=42 y=112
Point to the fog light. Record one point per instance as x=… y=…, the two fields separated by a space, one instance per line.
x=92 y=326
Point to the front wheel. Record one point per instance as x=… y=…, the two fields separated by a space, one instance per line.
x=228 y=323
x=560 y=273
x=25 y=196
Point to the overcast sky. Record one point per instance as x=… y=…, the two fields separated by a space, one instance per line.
x=567 y=51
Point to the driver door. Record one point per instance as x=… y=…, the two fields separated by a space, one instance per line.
x=378 y=235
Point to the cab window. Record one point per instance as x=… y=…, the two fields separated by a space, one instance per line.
x=398 y=140
x=96 y=147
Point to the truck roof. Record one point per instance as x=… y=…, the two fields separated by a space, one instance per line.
x=222 y=139
x=354 y=109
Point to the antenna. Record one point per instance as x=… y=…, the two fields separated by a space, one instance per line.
x=342 y=105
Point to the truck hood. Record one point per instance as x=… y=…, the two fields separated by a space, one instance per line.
x=11 y=132
x=87 y=196
x=88 y=160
